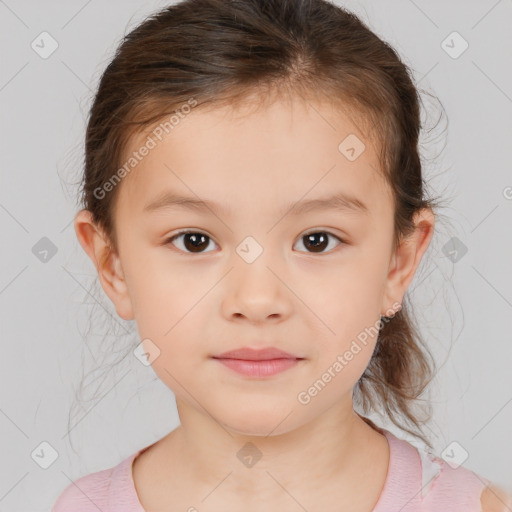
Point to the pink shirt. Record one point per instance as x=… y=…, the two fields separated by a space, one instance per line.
x=416 y=481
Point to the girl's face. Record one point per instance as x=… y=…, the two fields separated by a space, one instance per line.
x=250 y=189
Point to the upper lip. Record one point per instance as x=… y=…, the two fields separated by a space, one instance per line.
x=251 y=354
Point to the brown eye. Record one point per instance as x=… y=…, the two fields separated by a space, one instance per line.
x=193 y=241
x=317 y=241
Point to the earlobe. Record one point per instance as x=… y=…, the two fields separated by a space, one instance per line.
x=407 y=257
x=107 y=264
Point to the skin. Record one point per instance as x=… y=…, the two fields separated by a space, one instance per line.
x=311 y=304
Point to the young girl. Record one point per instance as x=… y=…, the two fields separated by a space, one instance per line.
x=253 y=199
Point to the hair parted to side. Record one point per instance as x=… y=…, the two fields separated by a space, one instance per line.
x=212 y=53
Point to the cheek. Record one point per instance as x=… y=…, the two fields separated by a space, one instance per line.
x=164 y=298
x=347 y=294
x=170 y=311
x=179 y=354
x=349 y=309
x=343 y=356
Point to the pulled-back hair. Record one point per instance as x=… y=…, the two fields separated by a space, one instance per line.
x=211 y=53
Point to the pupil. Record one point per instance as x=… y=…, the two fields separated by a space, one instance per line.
x=317 y=245
x=197 y=241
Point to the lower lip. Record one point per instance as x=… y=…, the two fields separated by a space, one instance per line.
x=265 y=368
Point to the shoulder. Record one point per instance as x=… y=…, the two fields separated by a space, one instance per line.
x=446 y=484
x=102 y=490
x=495 y=499
x=88 y=493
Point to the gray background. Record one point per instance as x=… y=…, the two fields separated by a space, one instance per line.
x=46 y=306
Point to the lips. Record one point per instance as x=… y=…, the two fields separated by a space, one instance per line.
x=249 y=354
x=258 y=363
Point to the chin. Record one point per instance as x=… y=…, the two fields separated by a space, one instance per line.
x=260 y=429
x=259 y=422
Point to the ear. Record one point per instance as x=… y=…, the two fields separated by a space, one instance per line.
x=107 y=263
x=407 y=257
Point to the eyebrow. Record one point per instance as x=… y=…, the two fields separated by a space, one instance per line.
x=340 y=201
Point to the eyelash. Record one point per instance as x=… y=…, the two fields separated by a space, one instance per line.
x=171 y=239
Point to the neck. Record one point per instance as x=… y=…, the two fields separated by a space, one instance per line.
x=332 y=448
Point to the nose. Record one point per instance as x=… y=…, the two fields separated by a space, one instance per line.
x=255 y=292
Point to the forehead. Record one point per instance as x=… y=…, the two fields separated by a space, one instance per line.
x=258 y=157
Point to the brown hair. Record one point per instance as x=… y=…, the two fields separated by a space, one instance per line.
x=223 y=52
